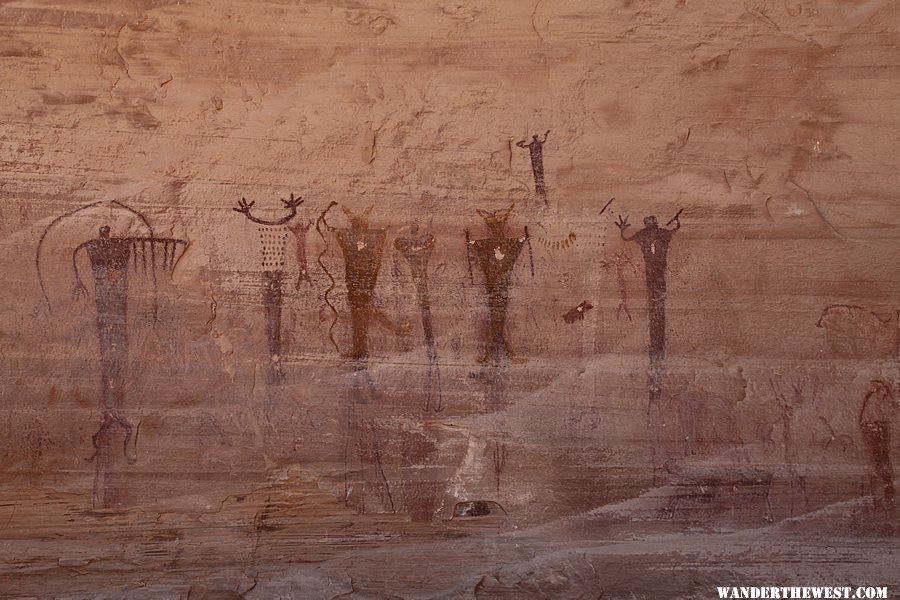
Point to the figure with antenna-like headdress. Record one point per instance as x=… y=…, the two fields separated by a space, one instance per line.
x=273 y=238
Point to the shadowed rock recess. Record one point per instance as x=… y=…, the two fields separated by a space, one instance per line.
x=452 y=299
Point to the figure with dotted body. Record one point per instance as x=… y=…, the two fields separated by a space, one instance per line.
x=273 y=238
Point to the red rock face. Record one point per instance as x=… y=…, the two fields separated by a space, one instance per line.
x=491 y=300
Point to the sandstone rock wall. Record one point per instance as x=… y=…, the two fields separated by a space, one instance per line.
x=545 y=372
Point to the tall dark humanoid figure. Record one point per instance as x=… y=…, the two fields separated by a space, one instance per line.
x=497 y=256
x=273 y=238
x=654 y=243
x=109 y=257
x=362 y=248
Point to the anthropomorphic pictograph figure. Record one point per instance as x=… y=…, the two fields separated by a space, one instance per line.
x=362 y=248
x=536 y=149
x=875 y=418
x=417 y=248
x=111 y=257
x=273 y=238
x=366 y=485
x=790 y=404
x=619 y=262
x=497 y=256
x=654 y=242
x=299 y=229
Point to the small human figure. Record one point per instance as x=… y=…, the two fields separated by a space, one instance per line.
x=875 y=424
x=299 y=229
x=619 y=261
x=497 y=256
x=536 y=149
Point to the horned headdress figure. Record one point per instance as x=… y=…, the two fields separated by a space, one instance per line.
x=273 y=235
x=113 y=259
x=497 y=256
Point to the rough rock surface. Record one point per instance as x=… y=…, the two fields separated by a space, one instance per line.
x=444 y=373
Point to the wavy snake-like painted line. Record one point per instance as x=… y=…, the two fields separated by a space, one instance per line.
x=321 y=220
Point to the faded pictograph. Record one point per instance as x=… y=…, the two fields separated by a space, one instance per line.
x=111 y=259
x=273 y=235
x=875 y=426
x=366 y=486
x=620 y=262
x=497 y=256
x=536 y=151
x=791 y=397
x=853 y=331
x=417 y=247
x=710 y=493
x=577 y=313
x=654 y=243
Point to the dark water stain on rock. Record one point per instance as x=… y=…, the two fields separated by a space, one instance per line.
x=59 y=99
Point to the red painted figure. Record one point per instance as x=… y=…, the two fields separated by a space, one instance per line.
x=497 y=256
x=875 y=424
x=536 y=149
